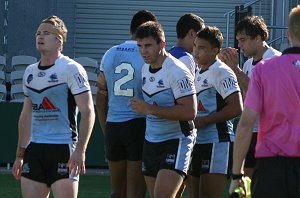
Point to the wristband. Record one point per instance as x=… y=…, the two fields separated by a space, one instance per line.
x=20 y=152
x=236 y=176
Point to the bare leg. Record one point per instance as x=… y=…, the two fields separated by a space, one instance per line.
x=118 y=178
x=65 y=188
x=136 y=187
x=34 y=189
x=150 y=182
x=212 y=185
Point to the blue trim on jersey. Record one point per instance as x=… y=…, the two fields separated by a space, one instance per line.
x=178 y=52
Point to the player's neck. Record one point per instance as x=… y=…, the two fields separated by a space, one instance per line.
x=160 y=59
x=260 y=52
x=49 y=58
x=185 y=45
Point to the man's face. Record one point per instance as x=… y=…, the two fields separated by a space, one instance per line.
x=47 y=38
x=149 y=49
x=247 y=44
x=204 y=52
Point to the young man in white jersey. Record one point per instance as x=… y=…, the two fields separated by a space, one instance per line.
x=123 y=129
x=50 y=153
x=170 y=107
x=219 y=101
x=187 y=27
x=274 y=95
x=252 y=34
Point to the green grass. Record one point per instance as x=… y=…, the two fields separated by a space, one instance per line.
x=90 y=186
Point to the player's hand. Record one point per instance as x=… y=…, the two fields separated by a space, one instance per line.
x=238 y=183
x=139 y=106
x=17 y=168
x=76 y=163
x=230 y=57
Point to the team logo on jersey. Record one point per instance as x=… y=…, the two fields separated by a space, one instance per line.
x=199 y=78
x=29 y=78
x=204 y=83
x=228 y=84
x=53 y=78
x=81 y=80
x=46 y=105
x=62 y=168
x=160 y=84
x=170 y=158
x=184 y=85
x=151 y=79
x=41 y=74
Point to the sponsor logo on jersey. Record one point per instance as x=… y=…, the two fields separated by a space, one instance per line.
x=151 y=79
x=81 y=80
x=228 y=84
x=184 y=85
x=201 y=107
x=46 y=105
x=170 y=158
x=41 y=74
x=160 y=84
x=29 y=78
x=53 y=78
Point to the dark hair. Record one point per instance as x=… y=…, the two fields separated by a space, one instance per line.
x=139 y=18
x=187 y=22
x=253 y=26
x=211 y=34
x=150 y=29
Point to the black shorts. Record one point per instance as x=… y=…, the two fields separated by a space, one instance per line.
x=276 y=177
x=211 y=158
x=46 y=163
x=250 y=160
x=172 y=154
x=124 y=140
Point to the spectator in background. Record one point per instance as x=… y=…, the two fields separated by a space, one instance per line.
x=219 y=101
x=123 y=129
x=50 y=154
x=252 y=34
x=170 y=107
x=274 y=95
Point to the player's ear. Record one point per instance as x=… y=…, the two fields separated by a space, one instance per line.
x=162 y=44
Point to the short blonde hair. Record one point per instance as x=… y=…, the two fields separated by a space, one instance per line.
x=58 y=24
x=294 y=23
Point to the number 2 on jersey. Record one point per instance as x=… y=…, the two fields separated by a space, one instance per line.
x=128 y=77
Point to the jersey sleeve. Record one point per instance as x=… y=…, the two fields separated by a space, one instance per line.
x=182 y=83
x=226 y=82
x=77 y=79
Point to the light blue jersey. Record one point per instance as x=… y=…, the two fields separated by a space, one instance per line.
x=52 y=90
x=213 y=86
x=163 y=87
x=122 y=65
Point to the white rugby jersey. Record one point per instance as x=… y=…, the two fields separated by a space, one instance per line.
x=163 y=87
x=249 y=66
x=52 y=90
x=213 y=86
x=122 y=65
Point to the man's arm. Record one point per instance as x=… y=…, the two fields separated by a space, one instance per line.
x=241 y=145
x=85 y=104
x=185 y=108
x=24 y=126
x=232 y=109
x=230 y=57
x=102 y=101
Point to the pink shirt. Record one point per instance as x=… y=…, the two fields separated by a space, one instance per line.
x=274 y=92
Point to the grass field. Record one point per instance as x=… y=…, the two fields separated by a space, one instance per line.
x=90 y=186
